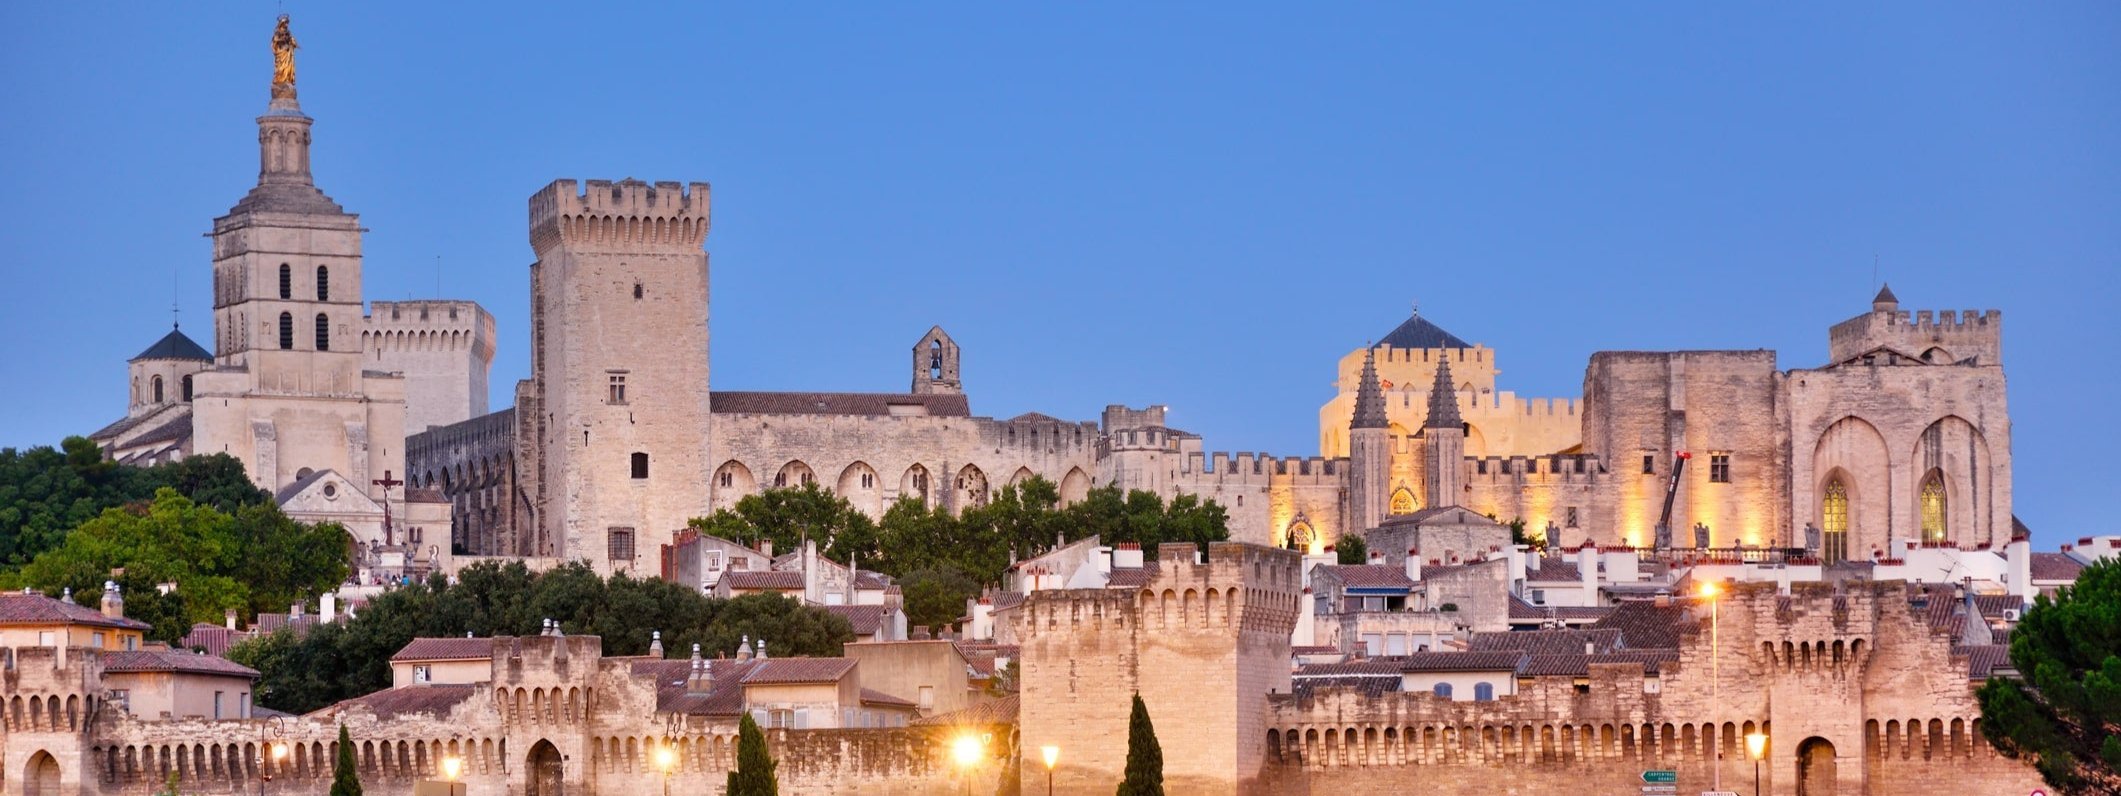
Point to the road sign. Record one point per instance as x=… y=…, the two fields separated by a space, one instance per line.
x=1660 y=776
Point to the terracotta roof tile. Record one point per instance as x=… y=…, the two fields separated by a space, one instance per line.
x=1547 y=642
x=173 y=661
x=1369 y=668
x=2055 y=566
x=1647 y=625
x=1368 y=576
x=872 y=697
x=17 y=608
x=865 y=619
x=1982 y=661
x=1132 y=577
x=210 y=638
x=995 y=712
x=391 y=703
x=446 y=649
x=1578 y=665
x=1554 y=569
x=1460 y=661
x=775 y=671
x=1524 y=611
x=774 y=581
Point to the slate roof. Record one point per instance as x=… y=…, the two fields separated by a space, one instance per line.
x=1418 y=332
x=1983 y=660
x=391 y=703
x=446 y=649
x=1885 y=295
x=174 y=345
x=1548 y=642
x=835 y=403
x=1524 y=611
x=866 y=619
x=1647 y=625
x=753 y=579
x=1579 y=665
x=17 y=608
x=174 y=661
x=2055 y=566
x=1460 y=661
x=1369 y=576
x=777 y=671
x=1554 y=569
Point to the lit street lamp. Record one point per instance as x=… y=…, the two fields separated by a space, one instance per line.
x=1052 y=755
x=452 y=767
x=1756 y=748
x=966 y=750
x=666 y=761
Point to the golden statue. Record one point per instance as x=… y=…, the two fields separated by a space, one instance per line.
x=283 y=54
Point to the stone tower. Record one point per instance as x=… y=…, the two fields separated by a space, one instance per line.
x=935 y=364
x=445 y=350
x=289 y=394
x=1204 y=642
x=617 y=397
x=1369 y=452
x=1444 y=447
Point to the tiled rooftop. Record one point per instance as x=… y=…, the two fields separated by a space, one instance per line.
x=446 y=649
x=17 y=608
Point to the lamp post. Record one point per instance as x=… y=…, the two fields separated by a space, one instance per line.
x=452 y=767
x=1756 y=748
x=966 y=751
x=1709 y=591
x=665 y=761
x=278 y=753
x=1052 y=755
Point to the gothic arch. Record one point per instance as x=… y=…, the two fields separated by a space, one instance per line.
x=731 y=482
x=41 y=776
x=917 y=484
x=969 y=488
x=860 y=485
x=1956 y=453
x=1021 y=475
x=1074 y=486
x=1854 y=450
x=1403 y=501
x=794 y=474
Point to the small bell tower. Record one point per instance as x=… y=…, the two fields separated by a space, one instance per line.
x=935 y=364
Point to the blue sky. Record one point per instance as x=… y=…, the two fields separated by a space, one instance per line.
x=1194 y=204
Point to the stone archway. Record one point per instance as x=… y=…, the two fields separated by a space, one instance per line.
x=1816 y=770
x=41 y=776
x=545 y=771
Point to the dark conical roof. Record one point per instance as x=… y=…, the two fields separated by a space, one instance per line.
x=1418 y=332
x=1369 y=396
x=1443 y=399
x=173 y=346
x=1885 y=295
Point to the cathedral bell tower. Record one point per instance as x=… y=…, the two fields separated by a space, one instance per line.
x=1369 y=451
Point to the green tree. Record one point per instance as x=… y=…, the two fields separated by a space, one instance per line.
x=46 y=492
x=345 y=778
x=2063 y=711
x=1145 y=757
x=754 y=764
x=172 y=540
x=787 y=516
x=935 y=596
x=1352 y=550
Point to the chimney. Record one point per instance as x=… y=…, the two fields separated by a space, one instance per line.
x=743 y=651
x=328 y=607
x=113 y=602
x=1414 y=565
x=2018 y=562
x=228 y=618
x=766 y=549
x=1377 y=557
x=1587 y=567
x=762 y=648
x=655 y=644
x=702 y=677
x=294 y=612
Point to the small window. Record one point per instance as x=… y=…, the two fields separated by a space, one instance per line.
x=156 y=382
x=217 y=705
x=1483 y=692
x=1649 y=464
x=287 y=331
x=124 y=696
x=323 y=332
x=1579 y=465
x=1443 y=690
x=1719 y=468
x=185 y=388
x=47 y=638
x=323 y=283
x=287 y=281
x=1480 y=466
x=131 y=642
x=96 y=639
x=927 y=697
x=1571 y=517
x=636 y=291
x=616 y=390
x=422 y=674
x=728 y=479
x=868 y=480
x=640 y=465
x=619 y=544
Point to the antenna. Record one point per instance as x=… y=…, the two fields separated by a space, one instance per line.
x=174 y=281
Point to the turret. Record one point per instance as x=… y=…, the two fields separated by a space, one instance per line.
x=1369 y=450
x=1444 y=442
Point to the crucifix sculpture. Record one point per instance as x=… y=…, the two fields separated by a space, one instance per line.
x=386 y=482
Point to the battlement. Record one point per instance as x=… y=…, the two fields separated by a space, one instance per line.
x=628 y=213
x=525 y=660
x=1945 y=336
x=50 y=670
x=1388 y=354
x=1246 y=468
x=1535 y=468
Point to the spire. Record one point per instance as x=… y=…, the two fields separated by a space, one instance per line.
x=1369 y=396
x=284 y=184
x=1886 y=301
x=1443 y=399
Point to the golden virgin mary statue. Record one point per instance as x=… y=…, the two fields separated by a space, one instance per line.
x=283 y=55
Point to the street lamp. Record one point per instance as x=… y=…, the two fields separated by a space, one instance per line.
x=452 y=767
x=1709 y=592
x=1052 y=755
x=966 y=750
x=1756 y=748
x=666 y=761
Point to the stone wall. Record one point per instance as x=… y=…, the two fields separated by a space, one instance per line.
x=1652 y=404
x=443 y=348
x=473 y=465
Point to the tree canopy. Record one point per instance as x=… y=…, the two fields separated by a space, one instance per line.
x=46 y=492
x=940 y=560
x=2063 y=710
x=346 y=659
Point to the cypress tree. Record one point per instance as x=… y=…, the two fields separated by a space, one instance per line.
x=1145 y=757
x=345 y=781
x=754 y=765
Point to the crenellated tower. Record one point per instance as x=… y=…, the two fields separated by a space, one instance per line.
x=618 y=401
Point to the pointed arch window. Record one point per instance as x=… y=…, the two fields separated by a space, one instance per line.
x=287 y=331
x=1303 y=540
x=1834 y=522
x=1403 y=501
x=186 y=389
x=287 y=281
x=156 y=384
x=323 y=332
x=1933 y=508
x=323 y=283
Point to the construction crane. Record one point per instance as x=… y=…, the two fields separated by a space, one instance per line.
x=1671 y=490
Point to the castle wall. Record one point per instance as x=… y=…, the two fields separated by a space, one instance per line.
x=473 y=465
x=1267 y=498
x=1503 y=424
x=443 y=349
x=1651 y=404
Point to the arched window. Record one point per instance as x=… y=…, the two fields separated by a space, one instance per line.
x=1834 y=522
x=1303 y=540
x=323 y=332
x=1403 y=501
x=186 y=389
x=287 y=331
x=323 y=283
x=1483 y=692
x=287 y=281
x=156 y=387
x=1443 y=690
x=1933 y=508
x=640 y=465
